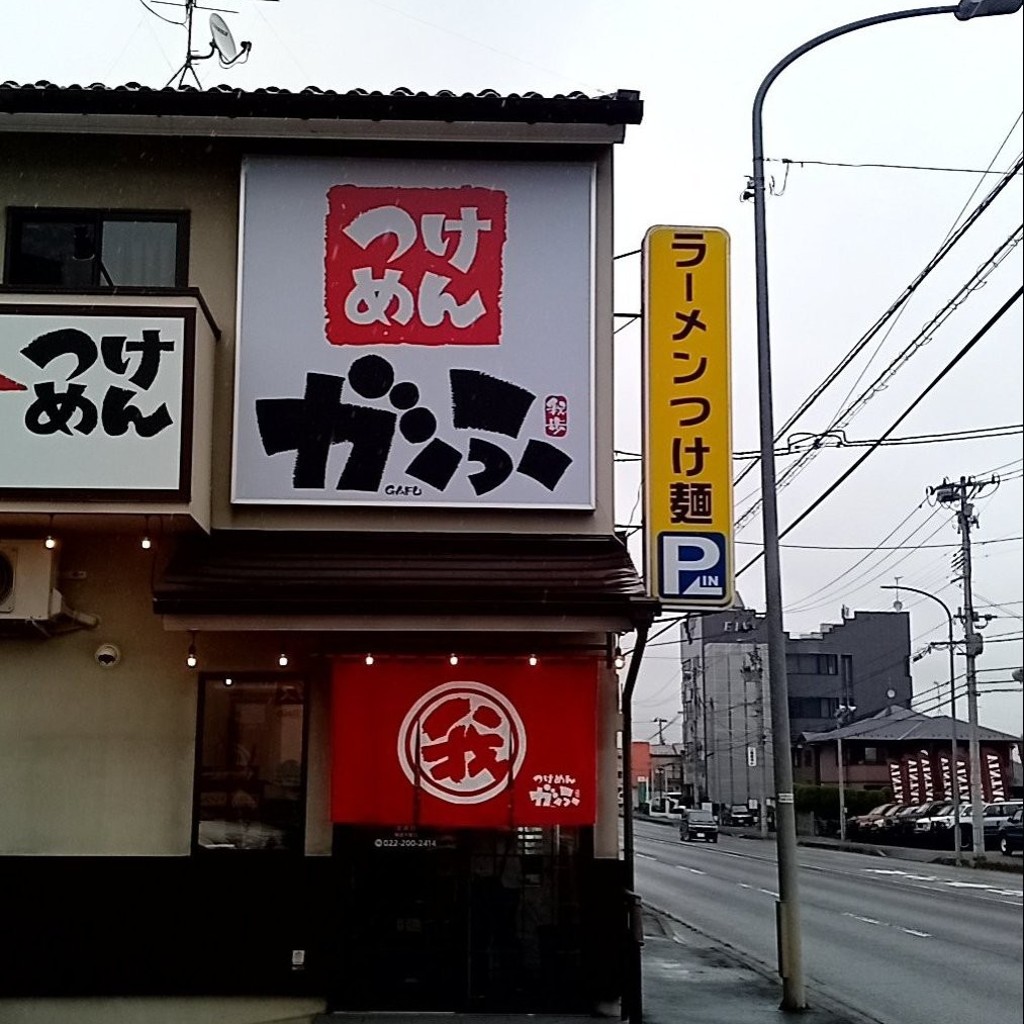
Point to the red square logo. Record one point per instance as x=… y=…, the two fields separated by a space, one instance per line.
x=414 y=266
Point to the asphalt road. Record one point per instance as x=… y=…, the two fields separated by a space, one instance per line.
x=898 y=941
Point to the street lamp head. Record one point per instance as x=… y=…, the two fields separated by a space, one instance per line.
x=968 y=9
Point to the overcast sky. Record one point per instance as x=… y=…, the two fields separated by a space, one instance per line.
x=844 y=243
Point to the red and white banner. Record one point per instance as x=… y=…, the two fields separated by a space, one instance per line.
x=482 y=744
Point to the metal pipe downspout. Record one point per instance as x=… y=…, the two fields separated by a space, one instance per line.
x=632 y=1008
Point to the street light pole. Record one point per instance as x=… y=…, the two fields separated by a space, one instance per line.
x=954 y=771
x=843 y=718
x=787 y=908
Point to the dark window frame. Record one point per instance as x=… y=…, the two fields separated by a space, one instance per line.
x=18 y=216
x=240 y=680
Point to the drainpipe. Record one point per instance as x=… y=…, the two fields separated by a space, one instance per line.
x=632 y=1007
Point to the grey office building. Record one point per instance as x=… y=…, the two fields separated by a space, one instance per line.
x=844 y=672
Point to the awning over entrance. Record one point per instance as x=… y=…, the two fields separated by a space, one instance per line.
x=241 y=573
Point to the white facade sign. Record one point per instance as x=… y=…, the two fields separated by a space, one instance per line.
x=95 y=401
x=415 y=332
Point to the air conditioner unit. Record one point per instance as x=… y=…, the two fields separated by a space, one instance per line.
x=28 y=579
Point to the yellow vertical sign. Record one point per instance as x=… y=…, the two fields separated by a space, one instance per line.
x=687 y=418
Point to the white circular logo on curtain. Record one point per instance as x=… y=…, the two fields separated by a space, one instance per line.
x=462 y=742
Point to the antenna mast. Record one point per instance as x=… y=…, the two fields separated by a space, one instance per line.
x=221 y=43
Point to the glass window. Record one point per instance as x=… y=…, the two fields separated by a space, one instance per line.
x=812 y=664
x=250 y=765
x=84 y=249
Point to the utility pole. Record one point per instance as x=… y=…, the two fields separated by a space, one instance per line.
x=960 y=495
x=753 y=671
x=661 y=723
x=694 y=732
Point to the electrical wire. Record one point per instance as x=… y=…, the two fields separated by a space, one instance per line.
x=849 y=409
x=974 y=434
x=892 y=167
x=901 y=300
x=829 y=491
x=885 y=547
x=832 y=582
x=157 y=14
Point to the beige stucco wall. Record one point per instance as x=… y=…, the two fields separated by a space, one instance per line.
x=99 y=761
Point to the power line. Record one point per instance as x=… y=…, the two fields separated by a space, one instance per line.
x=801 y=605
x=829 y=491
x=859 y=346
x=847 y=412
x=830 y=585
x=886 y=547
x=894 y=167
x=793 y=445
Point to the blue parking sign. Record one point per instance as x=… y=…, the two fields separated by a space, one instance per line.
x=693 y=567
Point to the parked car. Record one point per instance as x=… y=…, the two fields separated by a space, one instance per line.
x=904 y=828
x=884 y=826
x=696 y=823
x=860 y=824
x=925 y=824
x=942 y=827
x=996 y=814
x=739 y=814
x=993 y=816
x=1009 y=835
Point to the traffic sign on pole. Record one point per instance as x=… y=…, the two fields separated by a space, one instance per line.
x=688 y=507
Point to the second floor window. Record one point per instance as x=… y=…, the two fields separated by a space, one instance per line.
x=85 y=249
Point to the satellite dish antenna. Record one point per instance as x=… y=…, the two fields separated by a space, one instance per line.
x=222 y=39
x=222 y=43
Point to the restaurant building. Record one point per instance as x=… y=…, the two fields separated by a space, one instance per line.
x=309 y=583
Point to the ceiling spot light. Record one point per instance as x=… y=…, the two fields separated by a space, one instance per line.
x=228 y=681
x=146 y=542
x=369 y=659
x=453 y=659
x=51 y=542
x=191 y=659
x=533 y=659
x=282 y=660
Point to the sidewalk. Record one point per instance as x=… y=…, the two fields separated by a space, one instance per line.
x=691 y=979
x=687 y=979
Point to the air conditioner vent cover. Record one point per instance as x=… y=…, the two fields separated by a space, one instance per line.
x=28 y=578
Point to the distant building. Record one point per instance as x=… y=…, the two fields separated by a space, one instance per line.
x=909 y=753
x=852 y=669
x=657 y=770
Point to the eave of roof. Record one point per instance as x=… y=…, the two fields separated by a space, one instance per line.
x=901 y=724
x=240 y=573
x=277 y=112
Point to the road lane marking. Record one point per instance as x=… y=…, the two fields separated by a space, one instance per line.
x=887 y=924
x=768 y=892
x=644 y=856
x=949 y=883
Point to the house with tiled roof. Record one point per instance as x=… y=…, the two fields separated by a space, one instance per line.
x=309 y=583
